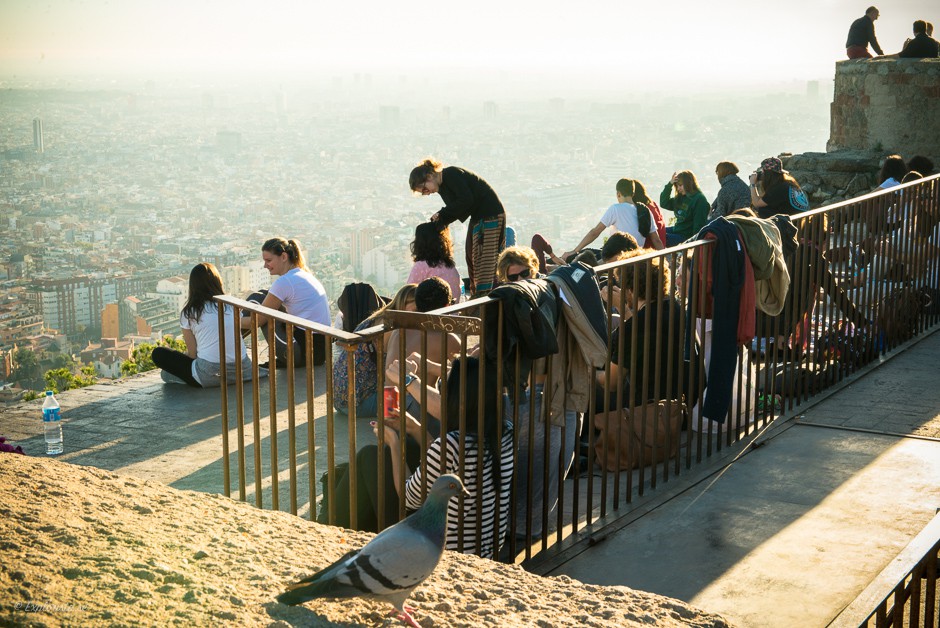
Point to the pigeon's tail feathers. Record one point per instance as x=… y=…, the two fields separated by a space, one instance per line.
x=326 y=571
x=324 y=583
x=300 y=592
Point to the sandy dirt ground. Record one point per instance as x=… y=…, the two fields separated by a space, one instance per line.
x=85 y=547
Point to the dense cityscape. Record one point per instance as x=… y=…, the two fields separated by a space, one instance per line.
x=109 y=195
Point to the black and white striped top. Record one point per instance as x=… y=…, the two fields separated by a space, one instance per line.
x=416 y=489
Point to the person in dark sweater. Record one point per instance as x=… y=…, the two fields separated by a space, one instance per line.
x=862 y=33
x=733 y=194
x=922 y=46
x=466 y=195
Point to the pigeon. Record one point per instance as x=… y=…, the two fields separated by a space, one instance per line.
x=391 y=565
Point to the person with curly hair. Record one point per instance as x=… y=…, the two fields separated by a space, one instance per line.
x=433 y=253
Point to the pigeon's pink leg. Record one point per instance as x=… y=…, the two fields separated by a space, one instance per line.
x=405 y=617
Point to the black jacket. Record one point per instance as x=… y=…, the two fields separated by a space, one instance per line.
x=530 y=315
x=922 y=46
x=862 y=33
x=466 y=195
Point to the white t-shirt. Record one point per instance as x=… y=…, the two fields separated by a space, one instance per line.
x=206 y=331
x=624 y=218
x=302 y=295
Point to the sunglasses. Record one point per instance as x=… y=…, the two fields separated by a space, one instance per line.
x=517 y=276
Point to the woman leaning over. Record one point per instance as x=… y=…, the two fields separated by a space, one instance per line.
x=466 y=195
x=298 y=293
x=688 y=205
x=200 y=365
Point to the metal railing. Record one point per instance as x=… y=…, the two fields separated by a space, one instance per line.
x=863 y=280
x=905 y=592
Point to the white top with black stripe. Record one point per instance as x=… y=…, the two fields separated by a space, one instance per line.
x=465 y=519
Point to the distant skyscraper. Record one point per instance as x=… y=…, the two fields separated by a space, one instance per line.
x=490 y=109
x=37 y=135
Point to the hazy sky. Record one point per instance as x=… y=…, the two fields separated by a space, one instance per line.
x=620 y=41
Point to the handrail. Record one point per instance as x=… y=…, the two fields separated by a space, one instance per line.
x=918 y=556
x=284 y=317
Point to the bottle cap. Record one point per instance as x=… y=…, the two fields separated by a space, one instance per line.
x=48 y=393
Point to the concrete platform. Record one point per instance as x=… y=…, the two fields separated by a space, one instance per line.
x=173 y=434
x=789 y=534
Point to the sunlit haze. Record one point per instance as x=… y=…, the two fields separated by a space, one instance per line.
x=620 y=45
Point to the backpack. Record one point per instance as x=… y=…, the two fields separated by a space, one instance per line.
x=647 y=216
x=357 y=303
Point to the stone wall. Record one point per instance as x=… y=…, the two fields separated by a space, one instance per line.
x=881 y=106
x=828 y=178
x=887 y=105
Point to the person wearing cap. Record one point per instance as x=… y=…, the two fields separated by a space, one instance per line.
x=862 y=33
x=781 y=192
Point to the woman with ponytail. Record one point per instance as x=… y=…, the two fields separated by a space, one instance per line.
x=296 y=292
x=640 y=196
x=466 y=195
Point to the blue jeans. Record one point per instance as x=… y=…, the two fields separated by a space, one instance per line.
x=673 y=238
x=540 y=492
x=366 y=407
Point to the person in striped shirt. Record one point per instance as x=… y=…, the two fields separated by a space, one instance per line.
x=476 y=524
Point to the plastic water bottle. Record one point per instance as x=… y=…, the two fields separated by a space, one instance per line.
x=52 y=420
x=463 y=292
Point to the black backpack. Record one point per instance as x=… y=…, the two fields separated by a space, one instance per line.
x=645 y=217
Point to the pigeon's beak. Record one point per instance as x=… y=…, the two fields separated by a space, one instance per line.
x=465 y=492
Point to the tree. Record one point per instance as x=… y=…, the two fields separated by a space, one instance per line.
x=58 y=380
x=61 y=379
x=141 y=359
x=27 y=369
x=62 y=361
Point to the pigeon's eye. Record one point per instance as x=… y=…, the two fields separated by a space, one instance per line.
x=452 y=485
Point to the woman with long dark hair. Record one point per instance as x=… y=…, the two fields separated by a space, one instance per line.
x=466 y=195
x=892 y=172
x=364 y=359
x=199 y=320
x=295 y=291
x=433 y=253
